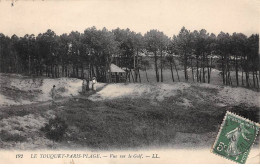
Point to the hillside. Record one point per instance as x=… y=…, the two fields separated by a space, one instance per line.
x=18 y=90
x=118 y=116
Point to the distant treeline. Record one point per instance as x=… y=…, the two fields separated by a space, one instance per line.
x=71 y=55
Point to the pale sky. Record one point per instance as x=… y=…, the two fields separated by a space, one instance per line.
x=64 y=16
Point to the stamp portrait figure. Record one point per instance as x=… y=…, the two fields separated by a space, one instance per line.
x=234 y=136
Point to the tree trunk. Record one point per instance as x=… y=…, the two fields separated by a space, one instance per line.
x=203 y=68
x=132 y=75
x=136 y=65
x=66 y=71
x=77 y=71
x=236 y=66
x=89 y=71
x=139 y=76
x=93 y=71
x=146 y=75
x=135 y=74
x=257 y=82
x=29 y=65
x=242 y=69
x=197 y=64
x=228 y=71
x=82 y=71
x=176 y=70
x=161 y=67
x=1 y=59
x=254 y=79
x=109 y=68
x=192 y=71
x=200 y=69
x=223 y=70
x=185 y=68
x=242 y=78
x=246 y=71
x=156 y=68
x=46 y=71
x=228 y=82
x=58 y=71
x=62 y=70
x=52 y=71
x=129 y=76
x=97 y=73
x=55 y=71
x=41 y=70
x=172 y=72
x=73 y=70
x=247 y=79
x=208 y=69
x=230 y=78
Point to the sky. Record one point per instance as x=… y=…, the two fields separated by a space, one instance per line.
x=169 y=16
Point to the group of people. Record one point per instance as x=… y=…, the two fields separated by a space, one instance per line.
x=85 y=87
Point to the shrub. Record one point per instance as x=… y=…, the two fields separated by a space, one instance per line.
x=8 y=137
x=61 y=89
x=55 y=129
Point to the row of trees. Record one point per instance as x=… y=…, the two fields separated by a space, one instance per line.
x=234 y=52
x=92 y=52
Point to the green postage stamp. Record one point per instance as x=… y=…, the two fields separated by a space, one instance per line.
x=235 y=138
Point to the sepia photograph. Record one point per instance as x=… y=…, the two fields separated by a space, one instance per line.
x=128 y=81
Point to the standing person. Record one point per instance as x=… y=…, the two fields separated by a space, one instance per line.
x=84 y=84
x=94 y=81
x=53 y=94
x=87 y=86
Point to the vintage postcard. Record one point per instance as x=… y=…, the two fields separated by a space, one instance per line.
x=129 y=81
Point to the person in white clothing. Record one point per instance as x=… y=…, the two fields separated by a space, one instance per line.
x=94 y=82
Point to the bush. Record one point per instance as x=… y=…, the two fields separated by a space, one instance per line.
x=61 y=89
x=8 y=137
x=55 y=129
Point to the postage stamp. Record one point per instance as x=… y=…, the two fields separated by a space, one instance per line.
x=235 y=138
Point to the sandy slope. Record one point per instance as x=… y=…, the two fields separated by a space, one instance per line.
x=181 y=114
x=220 y=94
x=19 y=90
